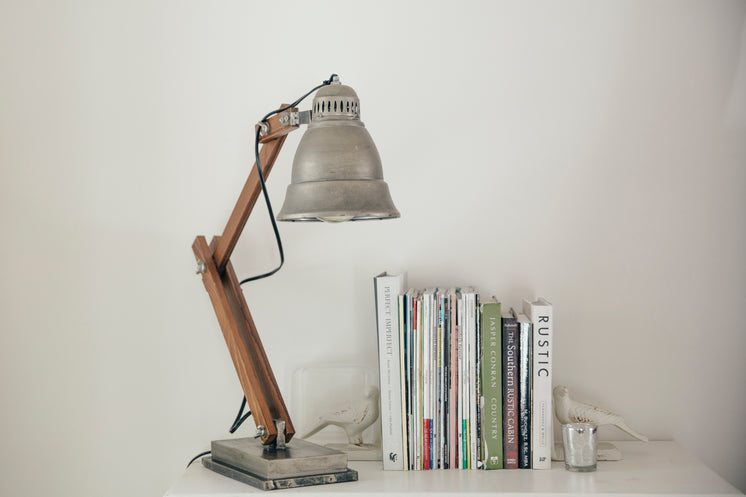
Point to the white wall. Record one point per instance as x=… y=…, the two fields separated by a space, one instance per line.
x=589 y=152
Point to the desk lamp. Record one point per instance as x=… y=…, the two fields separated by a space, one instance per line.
x=336 y=176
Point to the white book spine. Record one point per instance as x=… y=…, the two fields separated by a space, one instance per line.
x=410 y=299
x=387 y=290
x=474 y=400
x=427 y=355
x=467 y=390
x=541 y=316
x=461 y=380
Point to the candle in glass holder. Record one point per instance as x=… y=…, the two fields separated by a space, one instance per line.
x=580 y=443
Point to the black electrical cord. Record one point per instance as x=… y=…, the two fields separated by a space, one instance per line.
x=264 y=186
x=241 y=417
x=201 y=454
x=271 y=216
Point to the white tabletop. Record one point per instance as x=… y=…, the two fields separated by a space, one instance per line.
x=655 y=468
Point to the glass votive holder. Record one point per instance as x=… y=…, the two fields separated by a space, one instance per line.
x=580 y=442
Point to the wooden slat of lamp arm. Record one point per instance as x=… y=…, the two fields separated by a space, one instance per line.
x=271 y=144
x=249 y=358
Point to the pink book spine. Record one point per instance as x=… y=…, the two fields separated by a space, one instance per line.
x=426 y=445
x=453 y=390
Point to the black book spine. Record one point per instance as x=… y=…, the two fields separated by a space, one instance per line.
x=524 y=395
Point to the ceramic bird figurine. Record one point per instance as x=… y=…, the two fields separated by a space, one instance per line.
x=571 y=411
x=353 y=418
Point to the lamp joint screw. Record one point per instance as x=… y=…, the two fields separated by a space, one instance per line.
x=201 y=267
x=261 y=431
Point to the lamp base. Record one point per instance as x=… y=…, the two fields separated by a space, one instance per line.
x=300 y=464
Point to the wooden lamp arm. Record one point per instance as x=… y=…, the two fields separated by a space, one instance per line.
x=271 y=142
x=245 y=347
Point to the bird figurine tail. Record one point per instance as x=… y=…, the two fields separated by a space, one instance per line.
x=626 y=428
x=317 y=428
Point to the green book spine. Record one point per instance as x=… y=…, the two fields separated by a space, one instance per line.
x=492 y=391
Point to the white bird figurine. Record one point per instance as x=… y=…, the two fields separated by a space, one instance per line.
x=353 y=419
x=571 y=411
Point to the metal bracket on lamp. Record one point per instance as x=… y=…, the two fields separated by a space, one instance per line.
x=295 y=118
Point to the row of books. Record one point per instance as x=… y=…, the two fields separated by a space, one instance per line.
x=465 y=382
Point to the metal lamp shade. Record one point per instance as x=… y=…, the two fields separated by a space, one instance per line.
x=337 y=174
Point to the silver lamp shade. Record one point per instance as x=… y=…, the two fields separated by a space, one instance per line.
x=337 y=174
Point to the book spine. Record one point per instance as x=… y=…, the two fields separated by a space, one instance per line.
x=524 y=392
x=462 y=439
x=415 y=384
x=453 y=390
x=426 y=365
x=443 y=382
x=541 y=403
x=433 y=384
x=403 y=369
x=468 y=364
x=410 y=377
x=473 y=384
x=478 y=384
x=430 y=382
x=492 y=436
x=465 y=390
x=437 y=371
x=387 y=290
x=510 y=391
x=418 y=382
x=426 y=444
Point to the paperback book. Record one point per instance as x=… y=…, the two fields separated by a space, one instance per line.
x=539 y=312
x=524 y=391
x=387 y=289
x=492 y=435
